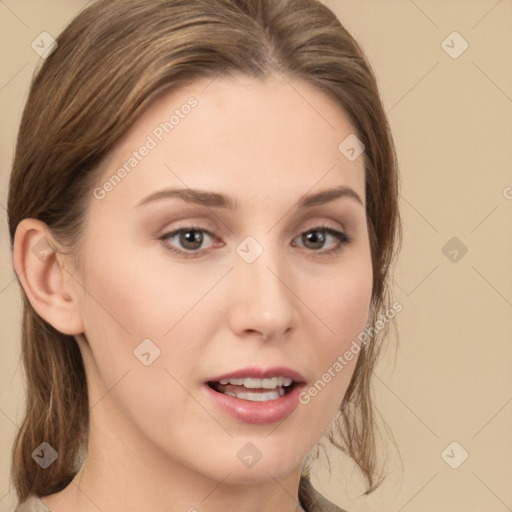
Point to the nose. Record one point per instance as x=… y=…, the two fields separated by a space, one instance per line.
x=262 y=301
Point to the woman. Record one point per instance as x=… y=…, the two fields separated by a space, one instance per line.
x=203 y=214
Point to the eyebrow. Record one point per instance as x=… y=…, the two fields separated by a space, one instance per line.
x=217 y=200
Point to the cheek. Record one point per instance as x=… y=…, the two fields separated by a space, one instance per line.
x=134 y=296
x=127 y=302
x=131 y=299
x=342 y=304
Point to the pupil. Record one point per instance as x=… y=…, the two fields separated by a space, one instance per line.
x=314 y=237
x=191 y=239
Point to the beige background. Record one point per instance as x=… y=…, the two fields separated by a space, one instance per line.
x=452 y=121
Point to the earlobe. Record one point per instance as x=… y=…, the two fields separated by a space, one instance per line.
x=45 y=277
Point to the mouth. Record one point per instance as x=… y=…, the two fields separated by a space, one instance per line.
x=254 y=389
x=256 y=396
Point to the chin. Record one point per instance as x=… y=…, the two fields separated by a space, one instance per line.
x=268 y=463
x=259 y=474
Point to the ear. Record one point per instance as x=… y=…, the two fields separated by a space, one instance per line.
x=46 y=276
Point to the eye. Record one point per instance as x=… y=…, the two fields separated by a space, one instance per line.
x=190 y=238
x=317 y=237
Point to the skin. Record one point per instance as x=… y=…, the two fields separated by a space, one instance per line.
x=157 y=442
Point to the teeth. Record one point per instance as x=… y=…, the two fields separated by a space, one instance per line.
x=250 y=383
x=257 y=397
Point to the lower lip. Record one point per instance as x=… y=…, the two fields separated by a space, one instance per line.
x=247 y=411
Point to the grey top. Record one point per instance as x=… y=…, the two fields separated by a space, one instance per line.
x=32 y=504
x=310 y=499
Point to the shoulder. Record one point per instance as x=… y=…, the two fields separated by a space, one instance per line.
x=32 y=504
x=312 y=501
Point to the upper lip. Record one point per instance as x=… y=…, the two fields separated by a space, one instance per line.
x=260 y=373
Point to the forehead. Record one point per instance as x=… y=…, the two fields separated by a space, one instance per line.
x=244 y=136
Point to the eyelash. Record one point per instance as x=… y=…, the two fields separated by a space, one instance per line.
x=342 y=238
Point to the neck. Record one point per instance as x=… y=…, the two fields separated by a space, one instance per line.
x=123 y=471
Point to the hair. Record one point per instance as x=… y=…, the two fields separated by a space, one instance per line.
x=110 y=63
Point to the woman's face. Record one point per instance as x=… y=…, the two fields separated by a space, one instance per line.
x=260 y=282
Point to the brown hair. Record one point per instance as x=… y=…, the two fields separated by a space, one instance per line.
x=111 y=61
